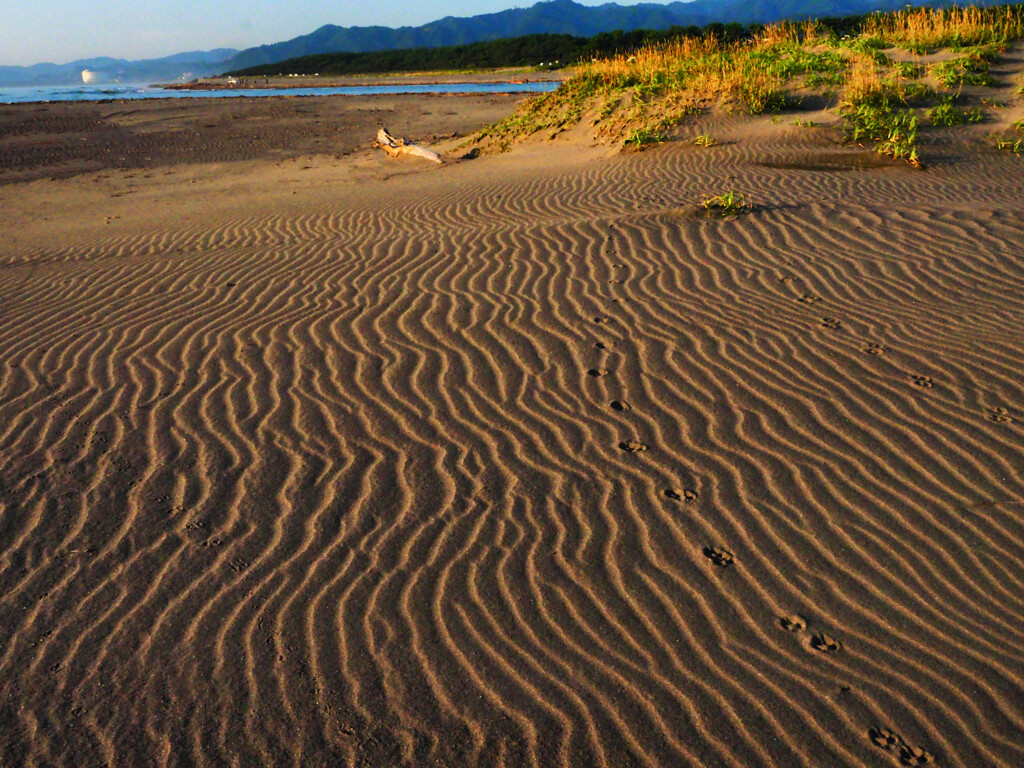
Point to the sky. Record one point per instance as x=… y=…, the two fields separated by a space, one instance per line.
x=60 y=31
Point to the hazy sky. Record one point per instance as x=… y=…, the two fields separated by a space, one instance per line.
x=60 y=31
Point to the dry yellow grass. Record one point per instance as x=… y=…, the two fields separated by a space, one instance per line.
x=930 y=28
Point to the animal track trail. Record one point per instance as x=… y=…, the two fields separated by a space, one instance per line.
x=687 y=494
x=831 y=323
x=597 y=372
x=632 y=447
x=884 y=738
x=922 y=381
x=915 y=755
x=890 y=741
x=825 y=643
x=794 y=622
x=874 y=349
x=809 y=298
x=998 y=415
x=621 y=405
x=719 y=556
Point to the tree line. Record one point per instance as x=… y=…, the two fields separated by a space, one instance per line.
x=547 y=51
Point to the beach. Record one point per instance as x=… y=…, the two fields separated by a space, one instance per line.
x=311 y=456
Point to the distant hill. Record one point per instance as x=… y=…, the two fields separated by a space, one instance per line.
x=551 y=17
x=180 y=65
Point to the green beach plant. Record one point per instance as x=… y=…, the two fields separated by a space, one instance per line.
x=641 y=138
x=946 y=113
x=729 y=203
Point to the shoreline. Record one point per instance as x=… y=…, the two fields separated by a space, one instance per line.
x=342 y=81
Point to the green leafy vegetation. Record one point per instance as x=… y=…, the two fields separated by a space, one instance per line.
x=946 y=113
x=892 y=128
x=642 y=138
x=729 y=203
x=705 y=140
x=1015 y=143
x=965 y=70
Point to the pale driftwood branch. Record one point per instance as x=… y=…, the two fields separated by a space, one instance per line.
x=395 y=147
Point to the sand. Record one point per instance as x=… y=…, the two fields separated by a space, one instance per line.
x=311 y=457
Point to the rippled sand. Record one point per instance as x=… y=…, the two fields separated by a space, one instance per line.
x=517 y=461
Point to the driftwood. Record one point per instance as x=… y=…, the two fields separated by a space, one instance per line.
x=395 y=147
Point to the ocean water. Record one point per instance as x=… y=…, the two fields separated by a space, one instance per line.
x=118 y=91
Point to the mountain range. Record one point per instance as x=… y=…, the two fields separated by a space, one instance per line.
x=551 y=16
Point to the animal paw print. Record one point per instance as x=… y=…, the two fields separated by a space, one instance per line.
x=884 y=738
x=825 y=643
x=633 y=447
x=720 y=557
x=874 y=349
x=809 y=298
x=914 y=755
x=998 y=415
x=793 y=623
x=598 y=372
x=686 y=495
x=908 y=754
x=923 y=381
x=832 y=323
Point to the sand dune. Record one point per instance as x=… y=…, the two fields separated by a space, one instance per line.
x=520 y=462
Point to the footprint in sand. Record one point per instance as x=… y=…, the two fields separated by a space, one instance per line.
x=831 y=322
x=602 y=319
x=793 y=623
x=998 y=415
x=686 y=494
x=718 y=556
x=914 y=755
x=786 y=279
x=922 y=381
x=604 y=345
x=809 y=298
x=598 y=372
x=633 y=447
x=825 y=643
x=621 y=405
x=874 y=349
x=615 y=282
x=884 y=738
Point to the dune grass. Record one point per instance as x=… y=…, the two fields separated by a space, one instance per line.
x=878 y=95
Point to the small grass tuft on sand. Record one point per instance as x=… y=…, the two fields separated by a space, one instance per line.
x=729 y=203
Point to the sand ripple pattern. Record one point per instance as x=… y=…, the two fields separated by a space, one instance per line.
x=347 y=487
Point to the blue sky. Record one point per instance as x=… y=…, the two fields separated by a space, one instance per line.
x=60 y=31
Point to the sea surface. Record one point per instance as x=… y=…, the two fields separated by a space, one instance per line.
x=118 y=91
